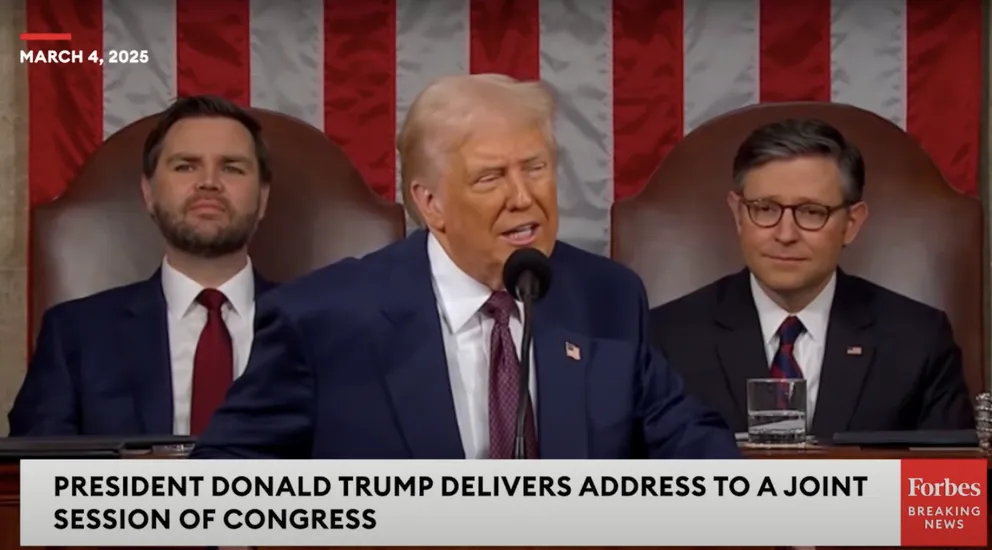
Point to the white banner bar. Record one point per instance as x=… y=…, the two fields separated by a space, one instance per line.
x=481 y=502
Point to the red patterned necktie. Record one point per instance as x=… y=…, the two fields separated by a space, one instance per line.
x=504 y=384
x=213 y=364
x=784 y=363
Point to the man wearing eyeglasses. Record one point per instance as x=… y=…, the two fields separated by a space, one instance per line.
x=872 y=359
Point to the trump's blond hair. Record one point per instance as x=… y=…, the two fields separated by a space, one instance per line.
x=445 y=114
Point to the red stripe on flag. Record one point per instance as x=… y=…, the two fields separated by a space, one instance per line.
x=360 y=87
x=647 y=89
x=944 y=85
x=65 y=103
x=213 y=52
x=794 y=48
x=505 y=38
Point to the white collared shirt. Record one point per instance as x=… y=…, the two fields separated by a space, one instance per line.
x=186 y=319
x=810 y=345
x=467 y=331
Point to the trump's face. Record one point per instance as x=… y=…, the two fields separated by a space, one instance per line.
x=497 y=193
x=206 y=195
x=793 y=223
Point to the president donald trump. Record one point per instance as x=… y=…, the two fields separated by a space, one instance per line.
x=412 y=351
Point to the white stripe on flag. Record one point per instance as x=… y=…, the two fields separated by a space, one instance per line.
x=132 y=91
x=868 y=56
x=577 y=61
x=432 y=41
x=287 y=58
x=720 y=58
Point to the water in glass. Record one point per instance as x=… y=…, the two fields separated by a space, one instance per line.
x=776 y=427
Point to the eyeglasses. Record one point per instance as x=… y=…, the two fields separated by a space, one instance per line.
x=809 y=216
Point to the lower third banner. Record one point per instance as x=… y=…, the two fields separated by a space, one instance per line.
x=504 y=503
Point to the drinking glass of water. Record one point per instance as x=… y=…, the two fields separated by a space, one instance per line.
x=776 y=411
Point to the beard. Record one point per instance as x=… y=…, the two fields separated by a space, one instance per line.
x=212 y=242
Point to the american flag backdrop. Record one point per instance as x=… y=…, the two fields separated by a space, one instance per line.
x=632 y=76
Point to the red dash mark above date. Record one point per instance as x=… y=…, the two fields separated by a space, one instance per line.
x=60 y=36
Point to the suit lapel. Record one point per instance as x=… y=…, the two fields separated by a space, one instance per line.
x=415 y=369
x=740 y=343
x=848 y=356
x=561 y=358
x=262 y=285
x=145 y=344
x=144 y=341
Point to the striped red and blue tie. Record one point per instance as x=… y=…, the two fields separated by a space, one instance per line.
x=784 y=363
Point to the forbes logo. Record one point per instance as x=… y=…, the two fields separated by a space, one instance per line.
x=919 y=487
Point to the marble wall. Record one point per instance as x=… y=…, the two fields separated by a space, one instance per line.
x=13 y=206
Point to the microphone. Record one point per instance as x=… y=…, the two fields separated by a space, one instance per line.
x=527 y=277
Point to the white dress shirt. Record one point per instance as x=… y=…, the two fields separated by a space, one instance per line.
x=466 y=331
x=809 y=347
x=186 y=321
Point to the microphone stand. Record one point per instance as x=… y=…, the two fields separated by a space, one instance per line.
x=523 y=397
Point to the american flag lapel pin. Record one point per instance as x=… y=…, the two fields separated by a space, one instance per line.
x=854 y=350
x=573 y=351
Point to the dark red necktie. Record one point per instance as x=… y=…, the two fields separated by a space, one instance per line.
x=784 y=364
x=213 y=365
x=504 y=384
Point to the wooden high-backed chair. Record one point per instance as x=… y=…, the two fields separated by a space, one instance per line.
x=98 y=234
x=922 y=239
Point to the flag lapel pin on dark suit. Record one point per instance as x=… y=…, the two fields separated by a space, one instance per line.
x=854 y=350
x=573 y=351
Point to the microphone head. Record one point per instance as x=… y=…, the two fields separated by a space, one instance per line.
x=527 y=271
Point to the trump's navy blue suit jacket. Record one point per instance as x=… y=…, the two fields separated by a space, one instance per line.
x=102 y=366
x=349 y=362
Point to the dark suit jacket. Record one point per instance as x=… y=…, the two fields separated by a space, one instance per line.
x=102 y=366
x=908 y=375
x=349 y=362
